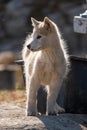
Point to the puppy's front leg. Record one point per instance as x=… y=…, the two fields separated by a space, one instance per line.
x=52 y=107
x=31 y=104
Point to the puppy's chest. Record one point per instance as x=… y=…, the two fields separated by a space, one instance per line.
x=47 y=70
x=47 y=65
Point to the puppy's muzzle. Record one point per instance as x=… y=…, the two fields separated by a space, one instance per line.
x=29 y=46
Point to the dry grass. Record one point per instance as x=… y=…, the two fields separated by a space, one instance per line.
x=10 y=96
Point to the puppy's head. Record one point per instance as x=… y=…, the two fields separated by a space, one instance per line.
x=42 y=34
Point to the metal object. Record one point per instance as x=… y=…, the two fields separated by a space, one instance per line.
x=76 y=86
x=7 y=80
x=80 y=23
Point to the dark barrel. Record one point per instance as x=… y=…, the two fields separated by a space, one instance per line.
x=76 y=86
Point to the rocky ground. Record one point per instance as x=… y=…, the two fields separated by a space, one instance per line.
x=12 y=117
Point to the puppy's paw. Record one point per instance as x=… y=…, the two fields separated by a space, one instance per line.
x=31 y=113
x=55 y=110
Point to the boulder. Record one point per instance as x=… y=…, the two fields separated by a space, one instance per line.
x=12 y=116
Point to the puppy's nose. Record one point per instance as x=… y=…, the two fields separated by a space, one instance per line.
x=29 y=46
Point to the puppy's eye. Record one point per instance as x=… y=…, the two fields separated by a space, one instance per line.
x=39 y=36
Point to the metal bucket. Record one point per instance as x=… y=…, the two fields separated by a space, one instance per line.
x=76 y=86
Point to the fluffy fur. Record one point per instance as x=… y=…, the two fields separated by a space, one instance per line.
x=45 y=63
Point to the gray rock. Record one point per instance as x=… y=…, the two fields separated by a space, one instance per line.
x=12 y=116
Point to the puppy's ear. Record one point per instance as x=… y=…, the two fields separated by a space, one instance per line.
x=48 y=24
x=34 y=22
